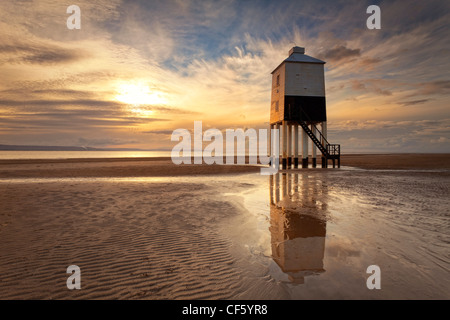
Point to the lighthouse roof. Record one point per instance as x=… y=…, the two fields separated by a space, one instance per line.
x=297 y=55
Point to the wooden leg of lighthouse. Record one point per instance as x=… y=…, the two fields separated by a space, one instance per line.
x=295 y=146
x=304 y=149
x=324 y=133
x=277 y=127
x=289 y=146
x=269 y=148
x=284 y=159
x=313 y=148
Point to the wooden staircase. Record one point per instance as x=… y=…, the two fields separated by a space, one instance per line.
x=329 y=151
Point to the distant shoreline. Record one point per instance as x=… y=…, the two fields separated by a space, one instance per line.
x=5 y=147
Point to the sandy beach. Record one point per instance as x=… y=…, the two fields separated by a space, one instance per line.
x=147 y=229
x=161 y=167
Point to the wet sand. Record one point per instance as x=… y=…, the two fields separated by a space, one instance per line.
x=143 y=230
x=113 y=167
x=403 y=161
x=159 y=167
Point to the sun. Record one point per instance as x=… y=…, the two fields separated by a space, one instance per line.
x=139 y=94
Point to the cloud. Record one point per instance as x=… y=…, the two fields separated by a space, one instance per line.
x=168 y=110
x=441 y=87
x=93 y=142
x=391 y=136
x=440 y=140
x=339 y=53
x=413 y=102
x=39 y=54
x=50 y=57
x=65 y=93
x=48 y=124
x=19 y=45
x=163 y=132
x=52 y=102
x=370 y=85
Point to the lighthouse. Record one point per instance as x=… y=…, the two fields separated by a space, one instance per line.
x=298 y=107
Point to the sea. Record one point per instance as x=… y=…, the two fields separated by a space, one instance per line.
x=10 y=155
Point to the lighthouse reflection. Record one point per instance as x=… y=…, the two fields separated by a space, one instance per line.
x=298 y=224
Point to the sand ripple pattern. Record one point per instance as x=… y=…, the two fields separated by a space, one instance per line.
x=127 y=239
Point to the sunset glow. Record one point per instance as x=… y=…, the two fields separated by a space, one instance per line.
x=139 y=94
x=154 y=66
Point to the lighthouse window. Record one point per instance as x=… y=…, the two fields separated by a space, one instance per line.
x=278 y=80
x=276 y=106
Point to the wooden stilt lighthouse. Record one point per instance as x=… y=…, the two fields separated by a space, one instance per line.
x=298 y=100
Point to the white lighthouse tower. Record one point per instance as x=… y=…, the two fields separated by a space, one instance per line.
x=298 y=100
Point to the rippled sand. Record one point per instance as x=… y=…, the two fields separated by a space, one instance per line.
x=131 y=240
x=304 y=235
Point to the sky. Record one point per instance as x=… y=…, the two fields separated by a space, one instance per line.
x=137 y=70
